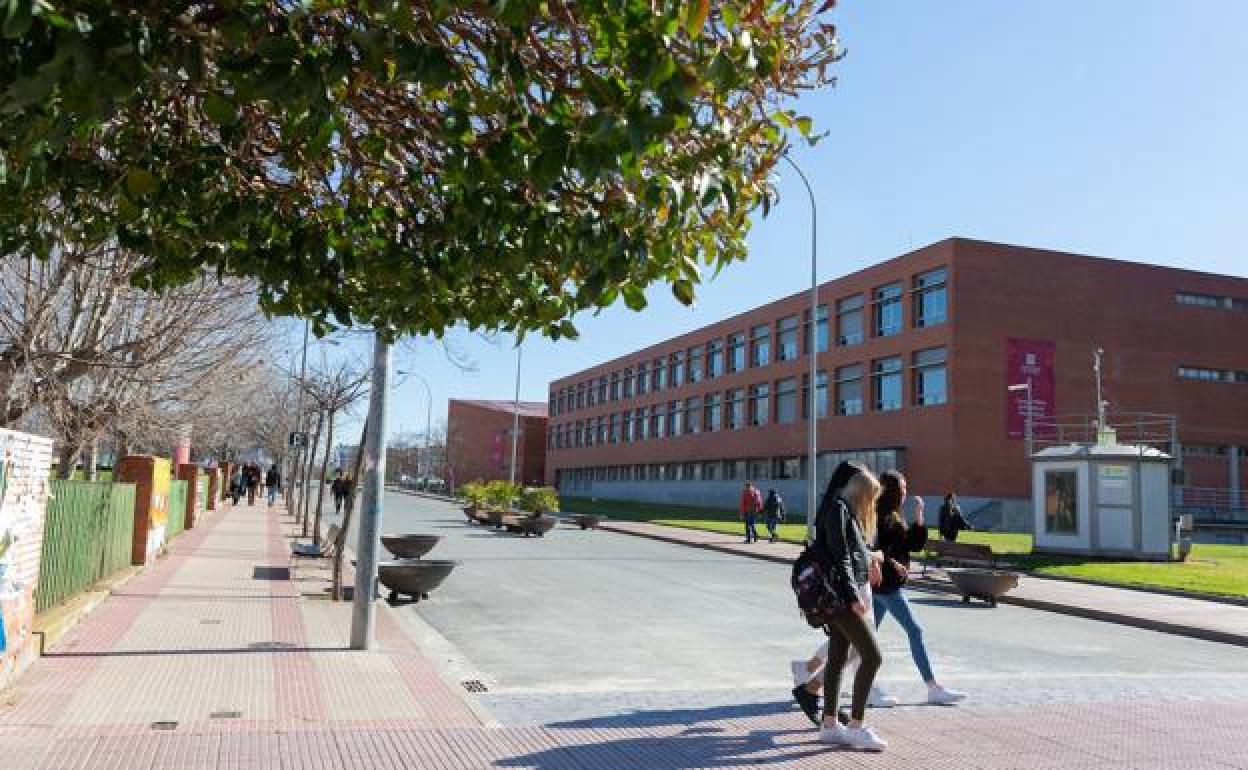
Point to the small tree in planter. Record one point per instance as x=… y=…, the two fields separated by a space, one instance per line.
x=475 y=494
x=500 y=495
x=539 y=500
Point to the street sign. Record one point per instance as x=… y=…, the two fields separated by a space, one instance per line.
x=297 y=440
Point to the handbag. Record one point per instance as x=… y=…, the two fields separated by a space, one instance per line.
x=816 y=599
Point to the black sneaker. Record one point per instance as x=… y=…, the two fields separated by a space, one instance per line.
x=842 y=716
x=809 y=703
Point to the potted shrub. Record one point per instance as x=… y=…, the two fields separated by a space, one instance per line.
x=474 y=494
x=540 y=502
x=500 y=496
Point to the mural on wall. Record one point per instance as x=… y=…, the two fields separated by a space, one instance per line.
x=162 y=477
x=24 y=468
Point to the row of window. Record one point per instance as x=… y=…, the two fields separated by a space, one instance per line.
x=764 y=403
x=1213 y=375
x=758 y=346
x=751 y=469
x=1210 y=300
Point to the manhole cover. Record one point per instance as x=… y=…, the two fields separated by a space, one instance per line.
x=164 y=725
x=474 y=685
x=210 y=621
x=226 y=715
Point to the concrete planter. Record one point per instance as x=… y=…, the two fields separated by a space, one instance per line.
x=410 y=546
x=414 y=578
x=986 y=584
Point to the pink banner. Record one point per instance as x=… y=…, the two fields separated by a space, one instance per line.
x=1029 y=361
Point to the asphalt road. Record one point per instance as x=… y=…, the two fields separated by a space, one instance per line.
x=588 y=627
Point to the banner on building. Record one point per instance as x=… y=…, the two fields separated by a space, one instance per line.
x=1029 y=361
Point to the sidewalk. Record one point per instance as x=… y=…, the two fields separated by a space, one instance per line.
x=216 y=658
x=1198 y=618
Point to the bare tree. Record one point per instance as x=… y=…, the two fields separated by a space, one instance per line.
x=332 y=389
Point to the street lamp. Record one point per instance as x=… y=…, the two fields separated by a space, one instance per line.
x=428 y=412
x=1026 y=387
x=515 y=419
x=812 y=345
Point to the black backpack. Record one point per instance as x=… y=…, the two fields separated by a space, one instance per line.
x=815 y=596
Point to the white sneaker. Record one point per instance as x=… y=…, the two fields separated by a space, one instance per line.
x=838 y=734
x=878 y=699
x=864 y=739
x=800 y=675
x=943 y=696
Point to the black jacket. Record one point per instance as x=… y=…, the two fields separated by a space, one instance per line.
x=841 y=548
x=951 y=521
x=897 y=541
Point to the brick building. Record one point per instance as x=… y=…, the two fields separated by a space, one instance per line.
x=914 y=356
x=479 y=441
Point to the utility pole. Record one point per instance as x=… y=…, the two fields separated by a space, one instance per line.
x=363 y=609
x=291 y=505
x=515 y=420
x=1100 y=403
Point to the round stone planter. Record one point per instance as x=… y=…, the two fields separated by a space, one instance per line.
x=409 y=546
x=986 y=584
x=414 y=578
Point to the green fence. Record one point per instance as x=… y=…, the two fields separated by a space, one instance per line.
x=176 y=509
x=87 y=537
x=201 y=494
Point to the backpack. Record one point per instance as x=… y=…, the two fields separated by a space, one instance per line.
x=815 y=597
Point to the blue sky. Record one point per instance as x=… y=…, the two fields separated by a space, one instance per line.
x=1110 y=128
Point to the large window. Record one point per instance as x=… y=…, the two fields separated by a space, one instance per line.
x=849 y=389
x=710 y=471
x=691 y=472
x=821 y=329
x=693 y=414
x=602 y=389
x=758 y=469
x=887 y=310
x=786 y=339
x=658 y=422
x=615 y=386
x=626 y=426
x=930 y=298
x=849 y=327
x=930 y=377
x=760 y=404
x=643 y=379
x=591 y=394
x=674 y=410
x=604 y=429
x=788 y=468
x=712 y=413
x=736 y=352
x=626 y=384
x=760 y=345
x=641 y=425
x=714 y=358
x=786 y=400
x=676 y=369
x=695 y=364
x=580 y=396
x=591 y=431
x=821 y=395
x=734 y=470
x=886 y=386
x=616 y=430
x=1212 y=375
x=1061 y=502
x=734 y=411
x=578 y=434
x=658 y=375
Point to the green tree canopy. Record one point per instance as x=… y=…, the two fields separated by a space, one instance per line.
x=410 y=165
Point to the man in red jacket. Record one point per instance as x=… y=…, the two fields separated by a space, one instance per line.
x=751 y=505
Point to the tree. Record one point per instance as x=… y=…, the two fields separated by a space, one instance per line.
x=332 y=389
x=409 y=165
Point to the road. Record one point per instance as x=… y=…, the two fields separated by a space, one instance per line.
x=594 y=628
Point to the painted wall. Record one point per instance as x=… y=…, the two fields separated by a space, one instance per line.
x=25 y=463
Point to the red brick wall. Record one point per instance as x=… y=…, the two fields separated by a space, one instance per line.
x=479 y=443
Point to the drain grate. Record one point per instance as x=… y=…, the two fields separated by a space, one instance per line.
x=226 y=715
x=164 y=725
x=474 y=685
x=210 y=621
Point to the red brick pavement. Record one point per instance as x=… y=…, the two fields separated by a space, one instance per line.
x=198 y=632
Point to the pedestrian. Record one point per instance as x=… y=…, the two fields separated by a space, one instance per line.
x=897 y=540
x=252 y=479
x=751 y=506
x=273 y=483
x=341 y=489
x=951 y=520
x=773 y=513
x=237 y=483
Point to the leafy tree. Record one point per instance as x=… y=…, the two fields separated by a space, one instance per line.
x=412 y=165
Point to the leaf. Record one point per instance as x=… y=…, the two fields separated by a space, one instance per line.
x=634 y=297
x=17 y=21
x=805 y=125
x=568 y=329
x=141 y=182
x=683 y=291
x=695 y=17
x=220 y=110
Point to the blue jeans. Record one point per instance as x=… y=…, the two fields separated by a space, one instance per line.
x=897 y=604
x=751 y=521
x=272 y=496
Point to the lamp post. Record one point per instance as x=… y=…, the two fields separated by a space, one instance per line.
x=363 y=610
x=428 y=412
x=301 y=447
x=812 y=345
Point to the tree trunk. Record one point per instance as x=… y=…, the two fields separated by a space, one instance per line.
x=320 y=499
x=93 y=459
x=348 y=508
x=67 y=461
x=307 y=476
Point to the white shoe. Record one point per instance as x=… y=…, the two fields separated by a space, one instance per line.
x=800 y=674
x=837 y=734
x=863 y=739
x=943 y=696
x=878 y=699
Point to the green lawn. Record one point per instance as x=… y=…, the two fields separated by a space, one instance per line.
x=1213 y=569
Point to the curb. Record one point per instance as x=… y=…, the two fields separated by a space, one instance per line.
x=927 y=584
x=1176 y=593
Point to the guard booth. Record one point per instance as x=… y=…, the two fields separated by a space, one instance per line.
x=1102 y=499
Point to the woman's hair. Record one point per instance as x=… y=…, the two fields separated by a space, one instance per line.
x=888 y=504
x=948 y=497
x=840 y=477
x=861 y=492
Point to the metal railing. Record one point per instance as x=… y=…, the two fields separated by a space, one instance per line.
x=87 y=537
x=1143 y=429
x=1212 y=503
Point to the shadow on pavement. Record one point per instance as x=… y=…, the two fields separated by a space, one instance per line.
x=696 y=747
x=683 y=716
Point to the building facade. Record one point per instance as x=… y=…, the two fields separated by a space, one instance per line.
x=479 y=441
x=914 y=358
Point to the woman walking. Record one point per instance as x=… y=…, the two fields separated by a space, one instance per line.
x=897 y=541
x=846 y=523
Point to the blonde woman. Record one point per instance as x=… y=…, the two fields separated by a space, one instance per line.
x=846 y=523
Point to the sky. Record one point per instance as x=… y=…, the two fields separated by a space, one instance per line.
x=1109 y=128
